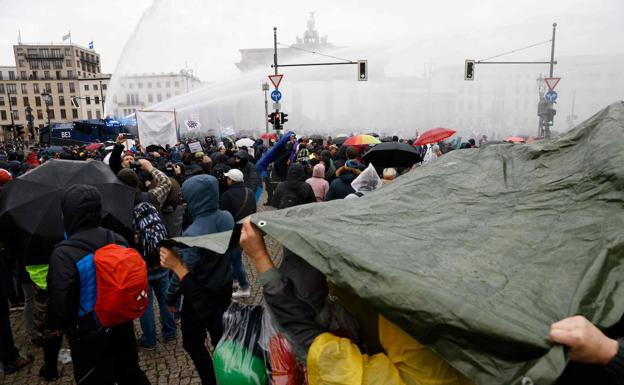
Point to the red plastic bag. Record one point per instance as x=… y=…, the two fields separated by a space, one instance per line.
x=282 y=366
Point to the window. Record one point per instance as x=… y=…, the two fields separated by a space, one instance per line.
x=140 y=85
x=24 y=89
x=150 y=98
x=167 y=84
x=67 y=51
x=11 y=75
x=72 y=88
x=48 y=87
x=3 y=115
x=1 y=100
x=23 y=75
x=38 y=101
x=177 y=83
x=15 y=114
x=13 y=100
x=86 y=87
x=97 y=114
x=61 y=100
x=51 y=114
x=20 y=62
x=2 y=89
x=0 y=75
x=168 y=95
x=35 y=76
x=59 y=87
x=68 y=63
x=36 y=88
x=32 y=52
x=51 y=103
x=95 y=87
x=104 y=87
x=39 y=114
x=58 y=64
x=88 y=100
x=34 y=65
x=58 y=75
x=63 y=114
x=45 y=65
x=89 y=115
x=157 y=84
x=11 y=89
x=56 y=52
x=46 y=75
x=25 y=99
x=96 y=100
x=70 y=74
x=74 y=113
x=149 y=84
x=159 y=97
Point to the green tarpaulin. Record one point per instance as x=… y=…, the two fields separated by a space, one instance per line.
x=479 y=252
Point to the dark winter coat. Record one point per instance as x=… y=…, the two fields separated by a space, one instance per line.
x=294 y=191
x=340 y=187
x=250 y=175
x=235 y=203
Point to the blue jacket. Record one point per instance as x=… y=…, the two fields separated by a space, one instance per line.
x=201 y=192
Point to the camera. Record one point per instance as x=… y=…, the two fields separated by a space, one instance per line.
x=136 y=165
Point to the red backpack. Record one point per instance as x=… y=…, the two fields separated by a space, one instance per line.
x=113 y=284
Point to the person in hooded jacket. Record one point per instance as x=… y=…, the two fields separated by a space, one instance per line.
x=99 y=355
x=318 y=183
x=294 y=191
x=203 y=277
x=252 y=180
x=340 y=187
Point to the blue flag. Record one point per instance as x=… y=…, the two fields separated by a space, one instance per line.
x=91 y=44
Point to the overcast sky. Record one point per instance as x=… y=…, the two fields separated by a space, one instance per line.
x=164 y=34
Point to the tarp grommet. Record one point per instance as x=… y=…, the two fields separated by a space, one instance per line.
x=261 y=223
x=526 y=381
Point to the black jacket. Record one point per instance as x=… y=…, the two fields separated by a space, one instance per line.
x=340 y=187
x=250 y=175
x=81 y=206
x=114 y=161
x=295 y=190
x=234 y=201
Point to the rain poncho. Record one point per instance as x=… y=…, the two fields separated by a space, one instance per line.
x=366 y=182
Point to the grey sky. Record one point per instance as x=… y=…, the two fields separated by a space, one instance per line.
x=208 y=34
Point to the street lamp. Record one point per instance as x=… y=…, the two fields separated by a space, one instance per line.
x=47 y=98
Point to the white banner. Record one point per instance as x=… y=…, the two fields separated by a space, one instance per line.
x=156 y=127
x=195 y=147
x=192 y=124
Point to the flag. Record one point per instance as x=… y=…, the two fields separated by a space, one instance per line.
x=192 y=124
x=66 y=37
x=91 y=44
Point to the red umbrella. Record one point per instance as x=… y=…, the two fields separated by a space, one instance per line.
x=94 y=146
x=434 y=135
x=514 y=139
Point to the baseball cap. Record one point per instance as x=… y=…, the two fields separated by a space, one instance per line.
x=235 y=174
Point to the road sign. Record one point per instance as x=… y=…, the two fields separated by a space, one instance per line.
x=276 y=95
x=550 y=96
x=277 y=106
x=552 y=83
x=276 y=80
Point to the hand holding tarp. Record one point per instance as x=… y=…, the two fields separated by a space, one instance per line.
x=253 y=245
x=172 y=261
x=587 y=343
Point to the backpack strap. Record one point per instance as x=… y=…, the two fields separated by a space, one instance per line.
x=243 y=205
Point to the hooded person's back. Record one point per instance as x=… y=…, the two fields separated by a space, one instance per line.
x=318 y=183
x=294 y=191
x=201 y=193
x=252 y=181
x=340 y=187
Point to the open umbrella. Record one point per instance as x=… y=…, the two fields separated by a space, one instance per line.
x=94 y=146
x=361 y=140
x=30 y=206
x=514 y=139
x=392 y=154
x=339 y=140
x=55 y=150
x=245 y=142
x=434 y=135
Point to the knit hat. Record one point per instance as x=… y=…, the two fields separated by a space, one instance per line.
x=129 y=177
x=352 y=163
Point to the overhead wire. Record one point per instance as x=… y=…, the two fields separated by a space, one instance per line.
x=316 y=53
x=515 y=50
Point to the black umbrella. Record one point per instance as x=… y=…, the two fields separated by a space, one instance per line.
x=30 y=206
x=392 y=154
x=339 y=140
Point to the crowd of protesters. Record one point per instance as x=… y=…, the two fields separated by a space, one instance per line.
x=190 y=193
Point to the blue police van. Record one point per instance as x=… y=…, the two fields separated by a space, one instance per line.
x=81 y=132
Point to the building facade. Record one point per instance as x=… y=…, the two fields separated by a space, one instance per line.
x=136 y=92
x=45 y=78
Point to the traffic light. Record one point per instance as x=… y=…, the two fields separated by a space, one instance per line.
x=362 y=66
x=469 y=70
x=271 y=117
x=278 y=121
x=29 y=117
x=284 y=118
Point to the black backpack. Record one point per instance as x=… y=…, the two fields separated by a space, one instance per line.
x=288 y=198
